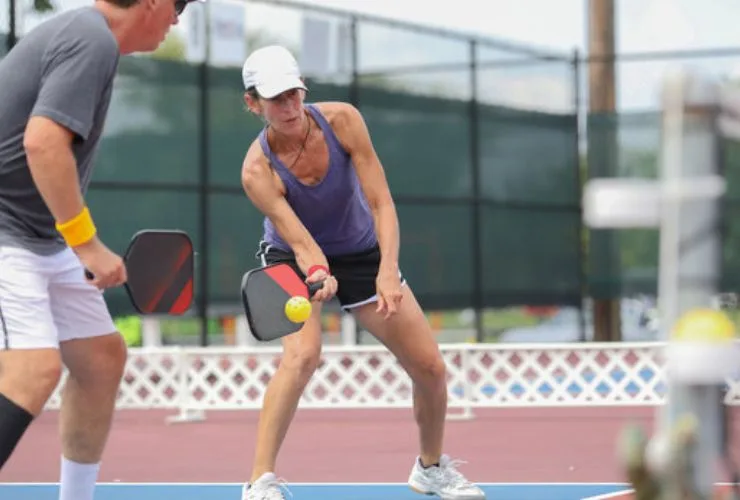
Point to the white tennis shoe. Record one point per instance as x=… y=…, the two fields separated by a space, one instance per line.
x=444 y=480
x=267 y=487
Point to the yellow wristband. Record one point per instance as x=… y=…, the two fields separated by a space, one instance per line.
x=78 y=230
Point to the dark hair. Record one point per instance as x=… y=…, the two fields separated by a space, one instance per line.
x=252 y=92
x=124 y=4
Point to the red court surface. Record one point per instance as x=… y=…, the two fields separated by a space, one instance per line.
x=505 y=445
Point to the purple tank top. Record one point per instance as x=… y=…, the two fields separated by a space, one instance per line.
x=335 y=210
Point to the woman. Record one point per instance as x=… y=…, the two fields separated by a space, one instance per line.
x=314 y=174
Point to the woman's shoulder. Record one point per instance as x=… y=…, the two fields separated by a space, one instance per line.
x=337 y=113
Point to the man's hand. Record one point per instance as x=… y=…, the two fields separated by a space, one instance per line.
x=107 y=268
x=388 y=284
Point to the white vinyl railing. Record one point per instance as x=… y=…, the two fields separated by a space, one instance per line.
x=193 y=381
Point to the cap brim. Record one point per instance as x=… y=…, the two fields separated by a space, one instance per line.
x=268 y=90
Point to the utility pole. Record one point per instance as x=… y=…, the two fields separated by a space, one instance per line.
x=603 y=150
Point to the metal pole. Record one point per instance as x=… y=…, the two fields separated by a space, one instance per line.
x=354 y=99
x=581 y=228
x=476 y=240
x=354 y=84
x=690 y=258
x=203 y=181
x=12 y=37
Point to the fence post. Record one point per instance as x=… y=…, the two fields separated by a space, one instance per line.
x=354 y=91
x=203 y=182
x=580 y=180
x=12 y=37
x=476 y=240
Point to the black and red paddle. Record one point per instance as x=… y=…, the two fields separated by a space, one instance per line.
x=265 y=292
x=160 y=268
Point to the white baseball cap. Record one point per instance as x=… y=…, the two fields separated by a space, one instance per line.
x=272 y=70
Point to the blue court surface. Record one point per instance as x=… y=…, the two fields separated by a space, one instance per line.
x=312 y=491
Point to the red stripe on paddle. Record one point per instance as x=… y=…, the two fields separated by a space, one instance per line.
x=288 y=280
x=183 y=300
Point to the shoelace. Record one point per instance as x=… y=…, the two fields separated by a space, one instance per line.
x=267 y=485
x=454 y=477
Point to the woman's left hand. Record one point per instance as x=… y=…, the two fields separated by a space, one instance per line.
x=388 y=285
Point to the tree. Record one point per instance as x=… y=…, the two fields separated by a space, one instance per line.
x=42 y=6
x=172 y=49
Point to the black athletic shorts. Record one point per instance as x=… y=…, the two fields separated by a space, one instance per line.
x=355 y=273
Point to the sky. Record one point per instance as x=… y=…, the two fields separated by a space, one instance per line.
x=554 y=25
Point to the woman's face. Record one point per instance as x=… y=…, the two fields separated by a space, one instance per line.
x=283 y=112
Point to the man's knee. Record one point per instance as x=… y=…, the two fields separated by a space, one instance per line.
x=113 y=356
x=29 y=376
x=97 y=360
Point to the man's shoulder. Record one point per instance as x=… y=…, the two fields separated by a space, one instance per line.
x=87 y=25
x=79 y=31
x=69 y=32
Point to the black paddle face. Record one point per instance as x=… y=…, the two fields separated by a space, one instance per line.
x=159 y=265
x=264 y=294
x=160 y=272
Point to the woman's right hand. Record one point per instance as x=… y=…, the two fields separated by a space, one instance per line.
x=329 y=288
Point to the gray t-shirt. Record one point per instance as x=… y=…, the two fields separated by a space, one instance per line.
x=63 y=70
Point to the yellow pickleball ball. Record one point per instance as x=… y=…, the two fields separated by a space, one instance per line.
x=704 y=325
x=298 y=309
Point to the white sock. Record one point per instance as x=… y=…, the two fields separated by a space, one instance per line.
x=77 y=480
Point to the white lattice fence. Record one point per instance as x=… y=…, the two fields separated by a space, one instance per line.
x=195 y=380
x=153 y=379
x=585 y=375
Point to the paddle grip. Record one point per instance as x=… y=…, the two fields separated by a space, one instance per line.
x=315 y=287
x=89 y=275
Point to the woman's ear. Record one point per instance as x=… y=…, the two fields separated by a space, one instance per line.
x=253 y=104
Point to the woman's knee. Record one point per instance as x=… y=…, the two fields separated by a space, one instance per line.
x=302 y=350
x=302 y=360
x=429 y=371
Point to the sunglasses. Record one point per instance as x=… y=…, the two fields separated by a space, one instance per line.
x=180 y=6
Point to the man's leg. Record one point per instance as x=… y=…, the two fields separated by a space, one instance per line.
x=30 y=365
x=27 y=379
x=88 y=402
x=95 y=356
x=301 y=355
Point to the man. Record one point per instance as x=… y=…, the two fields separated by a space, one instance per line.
x=57 y=84
x=329 y=213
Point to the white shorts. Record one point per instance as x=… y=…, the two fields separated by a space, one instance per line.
x=45 y=300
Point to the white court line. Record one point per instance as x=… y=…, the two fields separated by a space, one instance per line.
x=115 y=483
x=606 y=496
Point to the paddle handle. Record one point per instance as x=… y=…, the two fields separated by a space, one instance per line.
x=315 y=287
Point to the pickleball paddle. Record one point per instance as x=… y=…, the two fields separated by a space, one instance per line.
x=265 y=292
x=159 y=265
